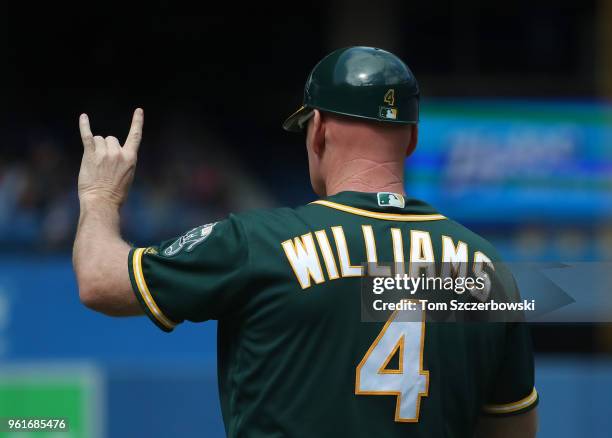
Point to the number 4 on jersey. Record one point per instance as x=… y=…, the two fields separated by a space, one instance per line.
x=408 y=382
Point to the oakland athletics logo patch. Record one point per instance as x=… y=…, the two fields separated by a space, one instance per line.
x=190 y=240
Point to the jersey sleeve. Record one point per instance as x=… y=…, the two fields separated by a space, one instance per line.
x=196 y=277
x=514 y=391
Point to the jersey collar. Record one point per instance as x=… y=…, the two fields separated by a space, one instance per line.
x=391 y=204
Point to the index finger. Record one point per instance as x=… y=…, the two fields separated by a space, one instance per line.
x=135 y=134
x=86 y=135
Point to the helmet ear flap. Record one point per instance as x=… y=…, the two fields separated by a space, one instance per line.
x=303 y=120
x=414 y=139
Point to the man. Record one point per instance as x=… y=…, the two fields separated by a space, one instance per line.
x=295 y=357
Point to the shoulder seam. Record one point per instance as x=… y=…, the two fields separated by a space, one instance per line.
x=246 y=238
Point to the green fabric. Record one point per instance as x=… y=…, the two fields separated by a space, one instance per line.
x=288 y=356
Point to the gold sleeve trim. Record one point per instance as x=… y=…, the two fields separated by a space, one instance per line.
x=512 y=407
x=383 y=216
x=144 y=290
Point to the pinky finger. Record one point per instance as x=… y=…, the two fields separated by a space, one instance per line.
x=86 y=135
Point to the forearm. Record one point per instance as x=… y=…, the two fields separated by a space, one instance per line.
x=100 y=258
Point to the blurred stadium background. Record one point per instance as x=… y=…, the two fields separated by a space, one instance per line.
x=515 y=142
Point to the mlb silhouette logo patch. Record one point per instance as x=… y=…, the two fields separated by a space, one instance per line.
x=388 y=113
x=388 y=199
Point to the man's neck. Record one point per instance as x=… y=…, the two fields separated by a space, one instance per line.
x=365 y=176
x=367 y=188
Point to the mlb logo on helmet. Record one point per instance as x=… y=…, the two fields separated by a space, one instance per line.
x=388 y=113
x=388 y=199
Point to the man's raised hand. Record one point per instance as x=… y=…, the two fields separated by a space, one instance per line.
x=107 y=168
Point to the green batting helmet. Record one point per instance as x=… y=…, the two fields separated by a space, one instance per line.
x=362 y=82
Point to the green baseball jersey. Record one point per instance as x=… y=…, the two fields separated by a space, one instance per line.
x=296 y=358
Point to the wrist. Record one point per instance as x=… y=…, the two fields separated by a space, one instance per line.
x=96 y=200
x=99 y=206
x=103 y=217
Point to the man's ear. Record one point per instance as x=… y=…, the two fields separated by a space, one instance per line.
x=318 y=134
x=414 y=139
